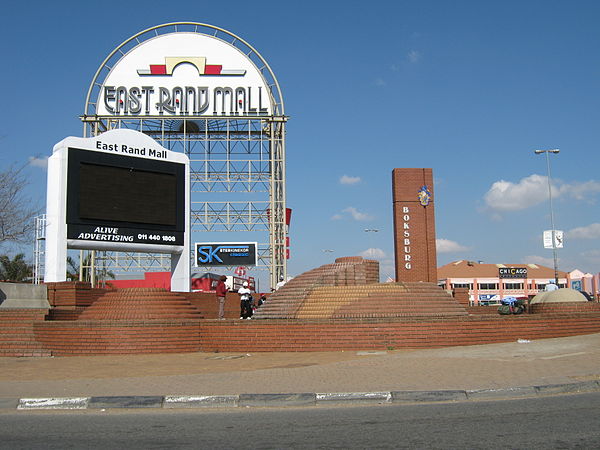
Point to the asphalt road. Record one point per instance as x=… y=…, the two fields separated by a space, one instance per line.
x=561 y=422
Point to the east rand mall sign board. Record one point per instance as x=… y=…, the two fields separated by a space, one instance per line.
x=118 y=191
x=186 y=74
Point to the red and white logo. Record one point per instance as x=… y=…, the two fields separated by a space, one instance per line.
x=199 y=62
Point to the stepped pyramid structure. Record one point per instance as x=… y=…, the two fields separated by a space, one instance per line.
x=349 y=289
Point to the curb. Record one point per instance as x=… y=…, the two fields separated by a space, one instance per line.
x=293 y=399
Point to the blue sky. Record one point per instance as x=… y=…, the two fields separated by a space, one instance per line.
x=468 y=88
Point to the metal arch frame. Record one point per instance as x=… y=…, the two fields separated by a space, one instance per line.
x=267 y=174
x=173 y=27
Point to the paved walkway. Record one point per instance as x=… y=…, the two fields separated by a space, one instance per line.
x=493 y=366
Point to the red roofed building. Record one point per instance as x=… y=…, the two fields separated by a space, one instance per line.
x=489 y=283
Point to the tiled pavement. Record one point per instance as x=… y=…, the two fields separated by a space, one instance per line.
x=571 y=360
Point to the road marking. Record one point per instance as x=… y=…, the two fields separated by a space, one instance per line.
x=566 y=355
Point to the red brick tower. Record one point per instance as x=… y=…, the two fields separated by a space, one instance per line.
x=414 y=225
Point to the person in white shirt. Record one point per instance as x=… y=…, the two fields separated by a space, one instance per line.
x=280 y=283
x=245 y=301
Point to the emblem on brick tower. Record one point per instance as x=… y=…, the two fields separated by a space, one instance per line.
x=424 y=195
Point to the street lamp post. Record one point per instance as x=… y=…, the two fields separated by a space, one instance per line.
x=537 y=152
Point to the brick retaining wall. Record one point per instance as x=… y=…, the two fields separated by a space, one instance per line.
x=118 y=337
x=364 y=334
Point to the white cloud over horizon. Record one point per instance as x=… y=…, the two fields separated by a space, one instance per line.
x=592 y=257
x=530 y=191
x=373 y=253
x=448 y=246
x=535 y=259
x=579 y=191
x=357 y=215
x=346 y=179
x=591 y=231
x=508 y=196
x=413 y=56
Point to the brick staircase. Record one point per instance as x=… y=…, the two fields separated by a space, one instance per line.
x=59 y=313
x=140 y=304
x=134 y=320
x=17 y=337
x=349 y=289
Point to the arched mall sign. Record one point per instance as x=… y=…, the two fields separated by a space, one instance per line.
x=183 y=74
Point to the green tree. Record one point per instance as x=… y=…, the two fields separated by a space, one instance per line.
x=15 y=269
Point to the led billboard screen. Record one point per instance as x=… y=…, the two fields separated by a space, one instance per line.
x=117 y=198
x=225 y=254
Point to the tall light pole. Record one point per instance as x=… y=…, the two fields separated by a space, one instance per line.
x=537 y=152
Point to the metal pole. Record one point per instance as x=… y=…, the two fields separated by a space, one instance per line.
x=552 y=221
x=537 y=152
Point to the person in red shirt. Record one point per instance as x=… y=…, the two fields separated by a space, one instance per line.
x=221 y=290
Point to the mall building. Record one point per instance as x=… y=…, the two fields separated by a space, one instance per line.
x=489 y=283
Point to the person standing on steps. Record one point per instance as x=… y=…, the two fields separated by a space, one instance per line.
x=221 y=291
x=280 y=283
x=245 y=301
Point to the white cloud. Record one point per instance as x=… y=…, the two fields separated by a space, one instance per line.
x=448 y=246
x=592 y=257
x=533 y=190
x=380 y=82
x=589 y=232
x=356 y=214
x=591 y=253
x=36 y=161
x=579 y=191
x=541 y=260
x=413 y=56
x=508 y=196
x=346 y=179
x=373 y=253
x=337 y=217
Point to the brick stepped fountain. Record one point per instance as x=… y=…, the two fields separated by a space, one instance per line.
x=347 y=271
x=379 y=301
x=349 y=288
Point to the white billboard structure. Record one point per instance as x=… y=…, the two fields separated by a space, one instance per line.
x=202 y=91
x=118 y=191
